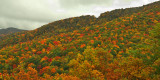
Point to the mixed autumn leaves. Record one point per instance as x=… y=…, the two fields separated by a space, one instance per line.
x=124 y=48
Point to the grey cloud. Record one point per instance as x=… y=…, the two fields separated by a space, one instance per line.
x=27 y=13
x=26 y=10
x=75 y=3
x=21 y=24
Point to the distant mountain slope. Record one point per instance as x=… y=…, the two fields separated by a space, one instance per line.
x=9 y=31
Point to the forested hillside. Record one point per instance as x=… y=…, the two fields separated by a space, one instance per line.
x=122 y=44
x=71 y=24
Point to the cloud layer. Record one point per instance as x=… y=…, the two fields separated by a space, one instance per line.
x=31 y=14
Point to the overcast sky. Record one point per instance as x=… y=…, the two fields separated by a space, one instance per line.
x=31 y=14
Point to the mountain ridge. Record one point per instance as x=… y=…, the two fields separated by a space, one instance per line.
x=10 y=30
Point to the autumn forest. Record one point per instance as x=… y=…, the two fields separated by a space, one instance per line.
x=123 y=44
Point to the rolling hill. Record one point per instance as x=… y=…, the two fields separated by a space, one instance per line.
x=122 y=44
